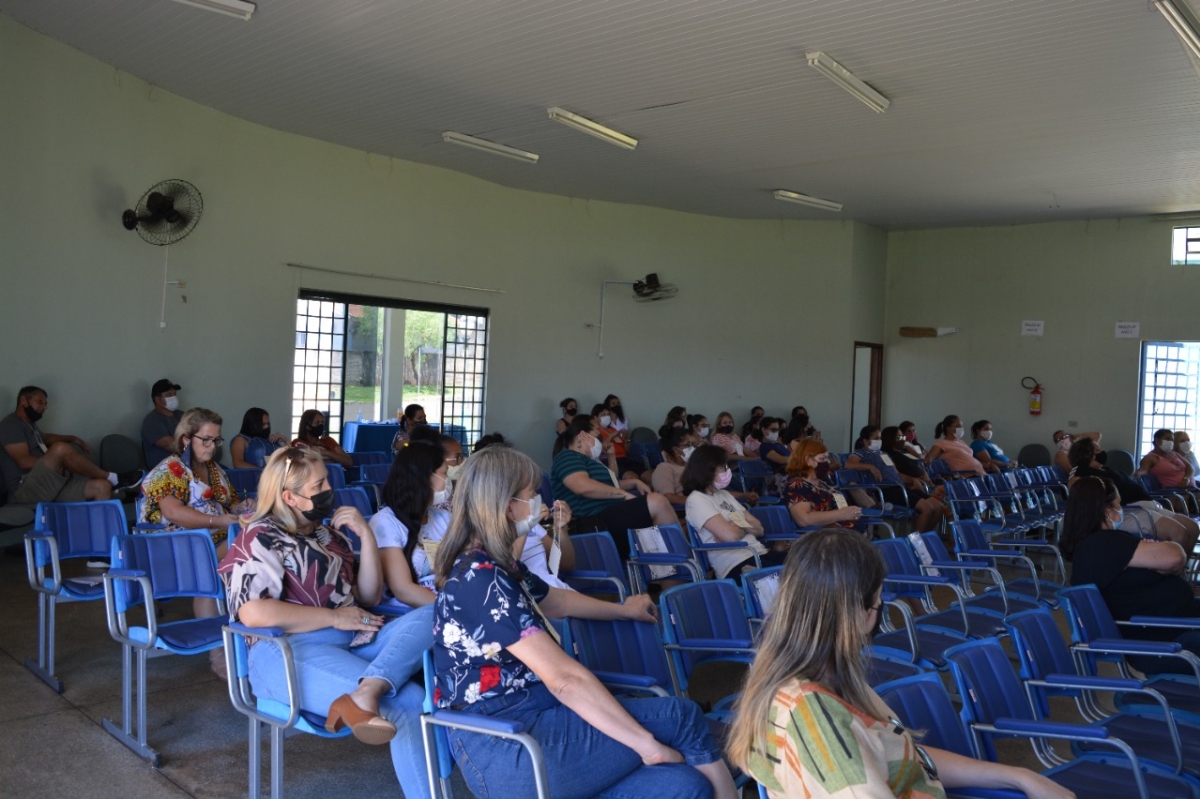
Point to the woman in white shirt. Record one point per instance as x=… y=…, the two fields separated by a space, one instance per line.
x=719 y=518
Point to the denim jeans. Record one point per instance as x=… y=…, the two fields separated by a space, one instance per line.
x=326 y=668
x=580 y=760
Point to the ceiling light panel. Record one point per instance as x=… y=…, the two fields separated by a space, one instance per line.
x=230 y=8
x=804 y=199
x=463 y=140
x=585 y=125
x=843 y=77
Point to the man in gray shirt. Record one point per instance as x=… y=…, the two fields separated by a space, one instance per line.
x=158 y=428
x=45 y=467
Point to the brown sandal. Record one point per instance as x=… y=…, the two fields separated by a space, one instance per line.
x=367 y=727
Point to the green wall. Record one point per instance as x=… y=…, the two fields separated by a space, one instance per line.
x=766 y=314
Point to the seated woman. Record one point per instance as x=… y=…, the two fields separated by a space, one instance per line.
x=567 y=410
x=1183 y=445
x=676 y=417
x=612 y=404
x=677 y=446
x=287 y=570
x=614 y=440
x=412 y=418
x=883 y=469
x=728 y=440
x=597 y=499
x=987 y=453
x=771 y=449
x=910 y=467
x=807 y=430
x=1063 y=441
x=255 y=442
x=911 y=444
x=698 y=424
x=312 y=436
x=950 y=448
x=807 y=692
x=1167 y=466
x=1144 y=514
x=416 y=485
x=812 y=503
x=495 y=656
x=718 y=518
x=750 y=430
x=1135 y=576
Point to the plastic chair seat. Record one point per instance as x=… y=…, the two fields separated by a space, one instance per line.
x=187 y=637
x=1099 y=777
x=979 y=625
x=992 y=603
x=881 y=670
x=77 y=588
x=932 y=641
x=1149 y=738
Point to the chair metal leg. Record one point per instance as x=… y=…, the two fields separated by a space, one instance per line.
x=125 y=733
x=44 y=666
x=255 y=791
x=276 y=762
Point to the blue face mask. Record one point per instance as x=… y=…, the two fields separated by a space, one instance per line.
x=1120 y=518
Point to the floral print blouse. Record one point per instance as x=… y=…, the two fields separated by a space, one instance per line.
x=268 y=562
x=210 y=493
x=482 y=610
x=818 y=495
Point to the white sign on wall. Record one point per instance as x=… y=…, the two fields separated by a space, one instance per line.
x=1031 y=327
x=1129 y=330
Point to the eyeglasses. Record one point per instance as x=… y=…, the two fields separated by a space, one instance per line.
x=218 y=441
x=456 y=458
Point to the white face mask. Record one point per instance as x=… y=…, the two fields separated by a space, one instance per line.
x=440 y=497
x=597 y=448
x=525 y=526
x=958 y=432
x=1064 y=444
x=171 y=403
x=986 y=435
x=605 y=421
x=452 y=472
x=1185 y=447
x=1167 y=446
x=875 y=445
x=687 y=453
x=772 y=436
x=703 y=431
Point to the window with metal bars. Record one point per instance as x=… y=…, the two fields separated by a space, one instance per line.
x=465 y=373
x=1169 y=389
x=318 y=366
x=1185 y=246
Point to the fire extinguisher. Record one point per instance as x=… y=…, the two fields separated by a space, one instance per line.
x=1035 y=395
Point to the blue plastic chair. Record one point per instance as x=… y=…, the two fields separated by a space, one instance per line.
x=758 y=591
x=337 y=475
x=627 y=656
x=996 y=704
x=438 y=761
x=283 y=718
x=354 y=496
x=704 y=622
x=971 y=542
x=546 y=491
x=374 y=472
x=65 y=531
x=778 y=524
x=361 y=459
x=597 y=566
x=244 y=480
x=147 y=569
x=677 y=557
x=700 y=549
x=1043 y=655
x=998 y=601
x=758 y=476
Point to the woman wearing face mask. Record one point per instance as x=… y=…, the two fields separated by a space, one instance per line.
x=751 y=428
x=568 y=408
x=807 y=693
x=1063 y=441
x=255 y=442
x=677 y=446
x=612 y=403
x=312 y=436
x=728 y=440
x=1169 y=467
x=718 y=518
x=883 y=467
x=987 y=452
x=416 y=485
x=287 y=570
x=495 y=656
x=1136 y=577
x=951 y=448
x=771 y=449
x=698 y=424
x=911 y=445
x=807 y=429
x=599 y=501
x=812 y=502
x=1183 y=445
x=613 y=440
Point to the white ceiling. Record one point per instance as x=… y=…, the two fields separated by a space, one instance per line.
x=1002 y=110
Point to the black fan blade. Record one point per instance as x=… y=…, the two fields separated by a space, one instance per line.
x=129 y=219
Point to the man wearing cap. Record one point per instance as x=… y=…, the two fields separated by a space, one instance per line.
x=158 y=428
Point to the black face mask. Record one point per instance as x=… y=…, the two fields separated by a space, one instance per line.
x=267 y=431
x=878 y=628
x=616 y=409
x=322 y=505
x=571 y=411
x=317 y=430
x=1101 y=457
x=31 y=414
x=725 y=428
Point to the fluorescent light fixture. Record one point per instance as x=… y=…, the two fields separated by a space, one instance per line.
x=804 y=199
x=585 y=125
x=230 y=8
x=489 y=147
x=843 y=77
x=1182 y=25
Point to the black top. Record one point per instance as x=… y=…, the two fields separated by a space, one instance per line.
x=1103 y=558
x=1129 y=489
x=906 y=465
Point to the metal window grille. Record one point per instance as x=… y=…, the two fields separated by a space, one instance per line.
x=319 y=364
x=1170 y=397
x=465 y=374
x=1185 y=245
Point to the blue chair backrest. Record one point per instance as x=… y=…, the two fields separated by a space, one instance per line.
x=621 y=647
x=900 y=559
x=1039 y=644
x=939 y=468
x=179 y=564
x=759 y=588
x=337 y=475
x=374 y=472
x=775 y=519
x=968 y=535
x=988 y=685
x=672 y=536
x=81 y=529
x=361 y=459
x=354 y=496
x=445 y=764
x=1087 y=614
x=922 y=703
x=846 y=477
x=711 y=610
x=598 y=552
x=243 y=480
x=546 y=491
x=653 y=452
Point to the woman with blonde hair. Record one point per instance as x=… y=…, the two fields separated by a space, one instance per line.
x=808 y=724
x=288 y=570
x=496 y=656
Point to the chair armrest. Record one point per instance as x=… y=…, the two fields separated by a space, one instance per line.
x=1178 y=622
x=488 y=724
x=126 y=574
x=34 y=572
x=1090 y=683
x=1125 y=646
x=721 y=644
x=659 y=559
x=147 y=527
x=1049 y=729
x=256 y=632
x=240 y=693
x=721 y=545
x=118 y=627
x=918 y=579
x=961 y=565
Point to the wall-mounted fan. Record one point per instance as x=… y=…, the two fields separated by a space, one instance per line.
x=166 y=213
x=649 y=289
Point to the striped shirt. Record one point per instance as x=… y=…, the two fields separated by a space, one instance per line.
x=567 y=463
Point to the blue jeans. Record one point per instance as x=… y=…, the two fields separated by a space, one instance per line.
x=326 y=668
x=580 y=760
